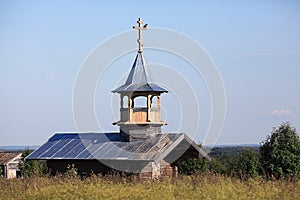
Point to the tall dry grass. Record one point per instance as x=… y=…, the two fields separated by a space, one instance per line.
x=183 y=187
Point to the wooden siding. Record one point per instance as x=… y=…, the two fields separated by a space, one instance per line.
x=150 y=170
x=139 y=115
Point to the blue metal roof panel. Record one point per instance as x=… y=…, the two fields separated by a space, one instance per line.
x=56 y=147
x=108 y=146
x=67 y=148
x=77 y=149
x=41 y=150
x=109 y=152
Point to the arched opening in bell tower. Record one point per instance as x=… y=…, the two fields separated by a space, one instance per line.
x=140 y=102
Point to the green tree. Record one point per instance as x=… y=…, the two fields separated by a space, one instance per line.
x=247 y=164
x=192 y=165
x=236 y=161
x=280 y=152
x=32 y=167
x=216 y=167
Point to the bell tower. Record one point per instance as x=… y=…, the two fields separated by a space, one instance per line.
x=139 y=121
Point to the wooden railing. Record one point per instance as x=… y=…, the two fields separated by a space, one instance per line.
x=140 y=115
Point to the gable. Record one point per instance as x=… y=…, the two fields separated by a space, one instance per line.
x=184 y=148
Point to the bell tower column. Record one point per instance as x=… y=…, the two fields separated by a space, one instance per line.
x=130 y=108
x=148 y=108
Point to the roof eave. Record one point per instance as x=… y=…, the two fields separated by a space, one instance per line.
x=201 y=154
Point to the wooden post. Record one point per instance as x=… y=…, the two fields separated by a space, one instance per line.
x=158 y=108
x=130 y=107
x=148 y=107
x=121 y=101
x=158 y=102
x=121 y=108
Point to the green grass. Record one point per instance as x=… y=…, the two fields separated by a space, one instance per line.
x=184 y=187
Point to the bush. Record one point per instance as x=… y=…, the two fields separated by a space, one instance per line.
x=280 y=153
x=192 y=165
x=32 y=167
x=217 y=167
x=71 y=171
x=248 y=164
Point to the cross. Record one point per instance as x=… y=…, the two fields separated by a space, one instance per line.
x=140 y=28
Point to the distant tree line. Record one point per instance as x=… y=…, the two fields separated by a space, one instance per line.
x=277 y=157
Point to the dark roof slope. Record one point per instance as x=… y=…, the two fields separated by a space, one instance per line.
x=109 y=146
x=139 y=78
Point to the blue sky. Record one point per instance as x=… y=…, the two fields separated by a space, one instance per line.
x=254 y=44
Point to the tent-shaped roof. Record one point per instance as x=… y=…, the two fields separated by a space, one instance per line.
x=109 y=146
x=139 y=78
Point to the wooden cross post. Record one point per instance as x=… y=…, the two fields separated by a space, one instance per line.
x=139 y=27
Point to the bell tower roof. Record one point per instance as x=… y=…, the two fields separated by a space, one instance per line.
x=140 y=78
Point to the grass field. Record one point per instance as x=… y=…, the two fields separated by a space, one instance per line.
x=184 y=187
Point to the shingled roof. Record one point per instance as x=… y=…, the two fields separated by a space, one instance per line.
x=139 y=78
x=109 y=146
x=7 y=157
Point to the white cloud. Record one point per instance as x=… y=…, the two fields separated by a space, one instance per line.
x=50 y=76
x=283 y=113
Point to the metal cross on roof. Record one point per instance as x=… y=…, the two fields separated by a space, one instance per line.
x=140 y=28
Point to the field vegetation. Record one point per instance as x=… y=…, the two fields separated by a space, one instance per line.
x=269 y=171
x=207 y=186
